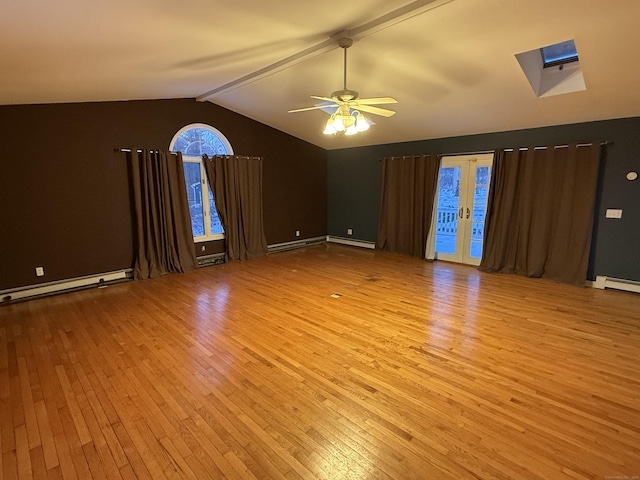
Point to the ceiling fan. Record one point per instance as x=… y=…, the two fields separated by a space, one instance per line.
x=348 y=117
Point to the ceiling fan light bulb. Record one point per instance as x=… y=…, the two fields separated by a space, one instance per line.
x=361 y=123
x=352 y=130
x=329 y=128
x=362 y=126
x=338 y=124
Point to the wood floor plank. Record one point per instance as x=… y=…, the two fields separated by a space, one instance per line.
x=99 y=443
x=48 y=444
x=38 y=466
x=135 y=460
x=74 y=446
x=254 y=370
x=9 y=465
x=22 y=453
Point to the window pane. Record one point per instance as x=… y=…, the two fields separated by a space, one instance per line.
x=448 y=201
x=475 y=249
x=481 y=193
x=483 y=175
x=193 y=182
x=195 y=142
x=559 y=53
x=477 y=223
x=216 y=225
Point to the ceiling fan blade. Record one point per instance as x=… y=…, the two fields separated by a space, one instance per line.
x=326 y=99
x=375 y=110
x=317 y=107
x=376 y=100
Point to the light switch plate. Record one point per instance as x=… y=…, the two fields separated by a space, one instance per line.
x=614 y=213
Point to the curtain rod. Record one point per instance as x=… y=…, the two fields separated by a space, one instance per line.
x=128 y=150
x=453 y=154
x=477 y=152
x=250 y=157
x=480 y=152
x=606 y=142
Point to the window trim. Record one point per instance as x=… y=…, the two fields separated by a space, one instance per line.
x=208 y=236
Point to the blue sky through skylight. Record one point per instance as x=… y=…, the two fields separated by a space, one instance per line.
x=559 y=53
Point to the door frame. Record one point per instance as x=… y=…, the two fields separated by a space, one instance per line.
x=467 y=164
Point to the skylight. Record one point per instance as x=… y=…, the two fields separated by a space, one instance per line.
x=553 y=70
x=559 y=54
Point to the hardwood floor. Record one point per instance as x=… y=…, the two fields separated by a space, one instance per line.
x=253 y=370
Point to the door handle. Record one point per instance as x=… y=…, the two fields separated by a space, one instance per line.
x=468 y=213
x=460 y=212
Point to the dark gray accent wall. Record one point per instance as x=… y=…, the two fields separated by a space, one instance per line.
x=64 y=192
x=355 y=181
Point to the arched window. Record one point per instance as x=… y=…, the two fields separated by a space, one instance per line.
x=193 y=141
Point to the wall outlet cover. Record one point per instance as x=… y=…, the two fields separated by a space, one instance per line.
x=614 y=213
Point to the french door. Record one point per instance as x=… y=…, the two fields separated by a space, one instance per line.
x=463 y=189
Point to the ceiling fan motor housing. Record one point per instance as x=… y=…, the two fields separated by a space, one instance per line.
x=347 y=102
x=344 y=95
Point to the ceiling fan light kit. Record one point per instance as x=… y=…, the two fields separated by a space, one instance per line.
x=347 y=116
x=349 y=123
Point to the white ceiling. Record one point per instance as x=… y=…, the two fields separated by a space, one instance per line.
x=452 y=67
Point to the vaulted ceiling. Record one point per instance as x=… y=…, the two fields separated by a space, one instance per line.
x=450 y=63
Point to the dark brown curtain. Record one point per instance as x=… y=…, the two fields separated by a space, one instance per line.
x=163 y=223
x=408 y=192
x=236 y=183
x=540 y=212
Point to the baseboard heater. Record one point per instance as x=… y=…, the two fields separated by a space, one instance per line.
x=603 y=282
x=50 y=288
x=281 y=247
x=208 y=260
x=353 y=243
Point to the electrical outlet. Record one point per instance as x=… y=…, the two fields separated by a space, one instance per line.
x=349 y=231
x=203 y=248
x=40 y=271
x=297 y=233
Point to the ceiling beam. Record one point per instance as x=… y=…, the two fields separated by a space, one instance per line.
x=283 y=64
x=390 y=19
x=395 y=17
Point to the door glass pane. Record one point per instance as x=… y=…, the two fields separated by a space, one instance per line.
x=216 y=225
x=480 y=196
x=483 y=175
x=448 y=204
x=193 y=181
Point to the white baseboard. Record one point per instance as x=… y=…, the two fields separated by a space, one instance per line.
x=353 y=243
x=304 y=242
x=603 y=282
x=49 y=288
